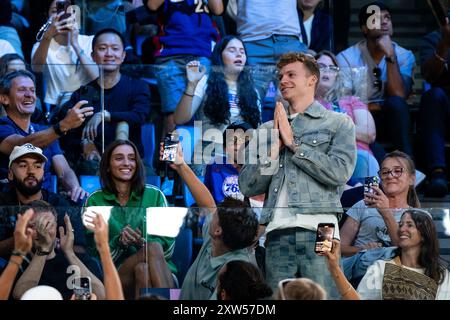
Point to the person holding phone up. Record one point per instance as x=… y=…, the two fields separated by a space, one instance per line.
x=63 y=56
x=312 y=155
x=369 y=232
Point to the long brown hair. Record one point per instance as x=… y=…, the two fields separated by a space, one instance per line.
x=429 y=257
x=106 y=180
x=412 y=198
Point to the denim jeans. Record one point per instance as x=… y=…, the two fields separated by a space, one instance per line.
x=434 y=116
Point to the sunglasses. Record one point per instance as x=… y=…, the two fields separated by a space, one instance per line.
x=281 y=286
x=395 y=173
x=377 y=83
x=325 y=68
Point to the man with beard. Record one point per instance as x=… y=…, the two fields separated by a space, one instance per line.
x=18 y=96
x=26 y=174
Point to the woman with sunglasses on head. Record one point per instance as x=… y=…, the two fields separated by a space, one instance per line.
x=330 y=94
x=370 y=230
x=417 y=271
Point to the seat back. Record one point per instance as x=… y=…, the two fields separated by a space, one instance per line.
x=90 y=183
x=182 y=254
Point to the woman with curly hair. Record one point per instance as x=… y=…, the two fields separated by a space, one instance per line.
x=225 y=96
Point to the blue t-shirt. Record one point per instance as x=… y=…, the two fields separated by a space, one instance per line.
x=186 y=28
x=222 y=181
x=8 y=128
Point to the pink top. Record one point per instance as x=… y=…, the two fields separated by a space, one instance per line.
x=347 y=105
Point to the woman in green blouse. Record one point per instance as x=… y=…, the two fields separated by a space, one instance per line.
x=142 y=260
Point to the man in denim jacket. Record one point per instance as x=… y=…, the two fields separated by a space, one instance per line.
x=312 y=155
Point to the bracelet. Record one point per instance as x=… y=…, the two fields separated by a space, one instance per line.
x=439 y=57
x=18 y=253
x=347 y=291
x=187 y=94
x=14 y=262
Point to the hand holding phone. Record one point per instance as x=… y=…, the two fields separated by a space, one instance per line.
x=370 y=182
x=82 y=288
x=170 y=148
x=63 y=6
x=324 y=238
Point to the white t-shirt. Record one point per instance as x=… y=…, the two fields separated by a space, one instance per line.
x=62 y=74
x=5 y=48
x=308 y=27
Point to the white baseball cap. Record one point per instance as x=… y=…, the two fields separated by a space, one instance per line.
x=42 y=293
x=24 y=149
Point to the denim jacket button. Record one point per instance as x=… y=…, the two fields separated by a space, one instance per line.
x=314 y=141
x=275 y=190
x=302 y=154
x=281 y=165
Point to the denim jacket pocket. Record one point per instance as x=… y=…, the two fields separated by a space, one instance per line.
x=316 y=138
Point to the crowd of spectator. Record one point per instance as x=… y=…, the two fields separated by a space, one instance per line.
x=289 y=127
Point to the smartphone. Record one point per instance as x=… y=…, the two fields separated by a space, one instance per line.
x=438 y=11
x=170 y=148
x=82 y=288
x=369 y=182
x=63 y=6
x=324 y=237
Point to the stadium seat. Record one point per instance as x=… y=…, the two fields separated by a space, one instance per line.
x=188 y=198
x=148 y=142
x=90 y=183
x=182 y=254
x=54 y=183
x=154 y=181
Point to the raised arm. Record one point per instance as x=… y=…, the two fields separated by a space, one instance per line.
x=216 y=7
x=201 y=194
x=189 y=102
x=22 y=245
x=66 y=241
x=111 y=279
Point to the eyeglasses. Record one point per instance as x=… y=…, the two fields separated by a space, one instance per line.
x=395 y=172
x=281 y=286
x=377 y=83
x=325 y=68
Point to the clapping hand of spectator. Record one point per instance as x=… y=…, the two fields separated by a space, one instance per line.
x=101 y=231
x=66 y=237
x=195 y=71
x=23 y=235
x=77 y=193
x=286 y=134
x=44 y=233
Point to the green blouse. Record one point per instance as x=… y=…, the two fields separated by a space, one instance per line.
x=133 y=214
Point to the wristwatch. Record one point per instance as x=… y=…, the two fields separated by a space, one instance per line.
x=58 y=131
x=40 y=252
x=392 y=59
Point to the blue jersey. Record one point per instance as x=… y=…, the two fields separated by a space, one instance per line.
x=222 y=181
x=185 y=28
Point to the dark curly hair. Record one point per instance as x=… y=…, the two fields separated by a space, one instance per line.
x=238 y=222
x=252 y=284
x=216 y=105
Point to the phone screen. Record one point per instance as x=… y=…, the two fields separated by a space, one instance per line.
x=369 y=182
x=324 y=237
x=170 y=148
x=82 y=288
x=63 y=6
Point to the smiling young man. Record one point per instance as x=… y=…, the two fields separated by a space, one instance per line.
x=125 y=99
x=17 y=94
x=303 y=176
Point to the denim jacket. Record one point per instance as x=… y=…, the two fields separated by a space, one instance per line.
x=315 y=174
